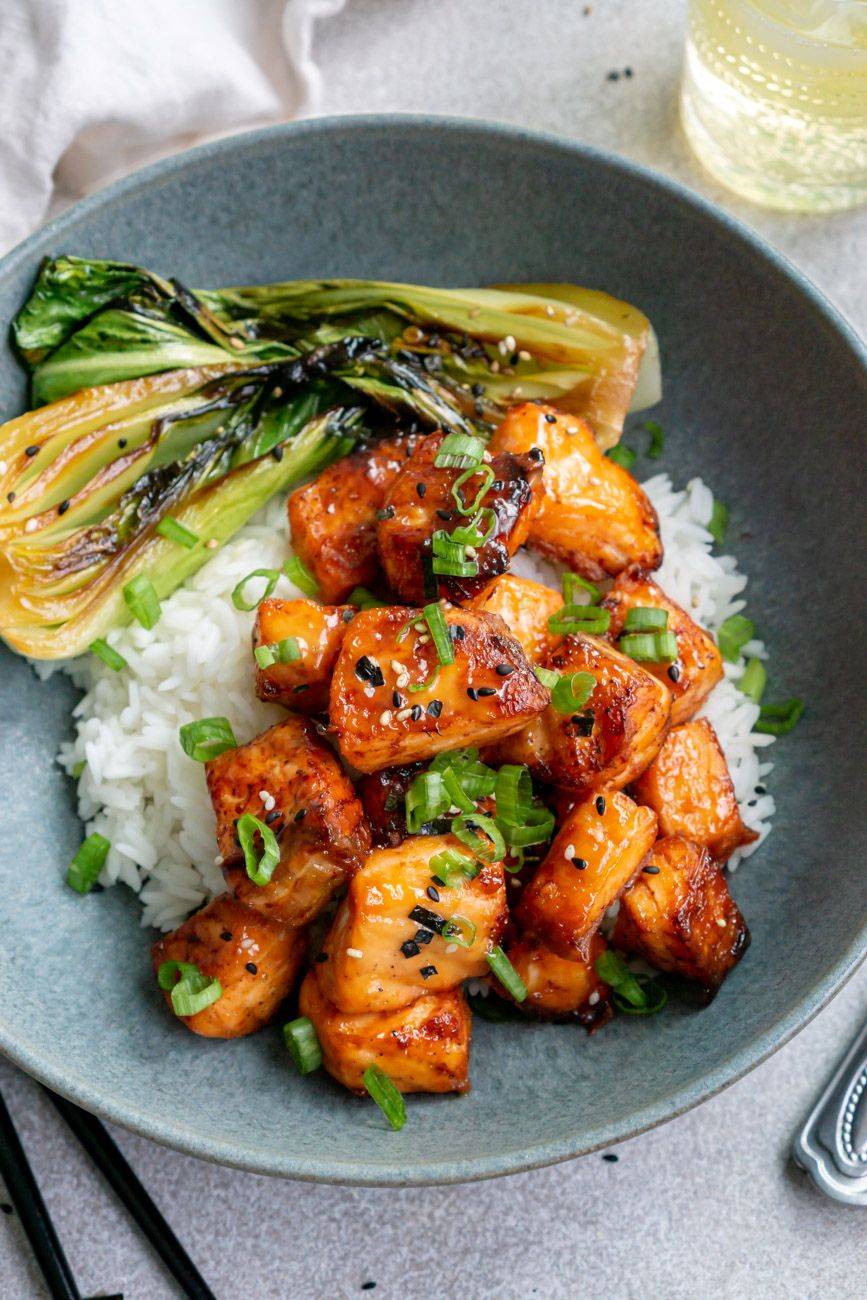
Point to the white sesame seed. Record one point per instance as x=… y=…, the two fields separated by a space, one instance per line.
x=495 y=367
x=397 y=666
x=450 y=948
x=218 y=860
x=354 y=952
x=31 y=525
x=524 y=355
x=470 y=552
x=377 y=636
x=513 y=880
x=277 y=392
x=570 y=852
x=385 y=717
x=510 y=343
x=423 y=639
x=721 y=922
x=454 y=810
x=330 y=508
x=549 y=310
x=403 y=715
x=487 y=457
x=594 y=998
x=516 y=392
x=403 y=680
x=502 y=348
x=212 y=543
x=369 y=691
x=3 y=467
x=246 y=944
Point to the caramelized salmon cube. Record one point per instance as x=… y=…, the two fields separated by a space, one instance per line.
x=596 y=853
x=423 y=1046
x=608 y=741
x=419 y=503
x=302 y=683
x=593 y=517
x=383 y=796
x=699 y=664
x=255 y=958
x=525 y=608
x=689 y=787
x=560 y=988
x=381 y=721
x=317 y=819
x=333 y=519
x=679 y=915
x=386 y=946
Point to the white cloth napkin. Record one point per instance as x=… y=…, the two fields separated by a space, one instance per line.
x=90 y=89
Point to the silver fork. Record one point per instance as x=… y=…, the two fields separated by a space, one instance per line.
x=832 y=1145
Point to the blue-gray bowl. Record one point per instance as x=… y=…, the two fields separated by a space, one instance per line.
x=765 y=398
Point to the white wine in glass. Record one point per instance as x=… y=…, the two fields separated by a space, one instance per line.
x=774 y=99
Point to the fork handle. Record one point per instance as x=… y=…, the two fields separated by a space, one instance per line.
x=832 y=1145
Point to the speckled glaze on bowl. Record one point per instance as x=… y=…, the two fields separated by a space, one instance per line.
x=765 y=398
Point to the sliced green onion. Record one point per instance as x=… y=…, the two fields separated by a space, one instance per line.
x=459 y=451
x=142 y=601
x=546 y=676
x=78 y=768
x=488 y=478
x=779 y=719
x=240 y=600
x=205 y=739
x=456 y=792
x=752 y=684
x=471 y=534
x=718 y=522
x=460 y=930
x=429 y=684
x=83 y=870
x=451 y=869
x=657 y=439
x=489 y=845
x=537 y=828
x=260 y=870
x=286 y=651
x=193 y=991
x=476 y=778
x=645 y=618
x=426 y=799
x=573 y=583
x=650 y=647
x=383 y=1091
x=439 y=630
x=175 y=532
x=300 y=1038
x=506 y=974
x=364 y=599
x=109 y=656
x=622 y=456
x=733 y=635
x=450 y=557
x=636 y=995
x=296 y=571
x=590 y=619
x=514 y=794
x=573 y=692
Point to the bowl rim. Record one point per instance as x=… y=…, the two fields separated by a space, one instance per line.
x=519 y=1159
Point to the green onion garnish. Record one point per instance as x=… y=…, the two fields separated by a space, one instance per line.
x=452 y=869
x=83 y=870
x=439 y=630
x=460 y=930
x=78 y=768
x=259 y=869
x=573 y=692
x=471 y=534
x=193 y=991
x=477 y=779
x=657 y=439
x=104 y=651
x=381 y=1088
x=205 y=739
x=489 y=845
x=175 y=532
x=752 y=684
x=286 y=651
x=590 y=619
x=300 y=1038
x=514 y=794
x=506 y=974
x=459 y=451
x=455 y=790
x=142 y=601
x=537 y=828
x=573 y=583
x=488 y=478
x=636 y=995
x=296 y=571
x=622 y=456
x=450 y=557
x=646 y=619
x=239 y=598
x=364 y=599
x=650 y=647
x=718 y=522
x=779 y=719
x=546 y=676
x=426 y=799
x=427 y=685
x=733 y=635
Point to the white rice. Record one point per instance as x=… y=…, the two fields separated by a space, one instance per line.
x=142 y=793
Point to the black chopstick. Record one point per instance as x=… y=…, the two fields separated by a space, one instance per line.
x=35 y=1219
x=108 y=1158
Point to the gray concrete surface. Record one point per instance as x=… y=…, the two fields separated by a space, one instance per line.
x=705 y=1208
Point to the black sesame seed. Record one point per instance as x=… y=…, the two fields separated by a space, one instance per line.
x=627 y=72
x=300 y=688
x=433 y=893
x=251 y=967
x=550 y=419
x=457 y=632
x=478 y=390
x=387 y=512
x=31 y=451
x=423 y=936
x=322 y=956
x=410 y=948
x=368 y=1286
x=472 y=692
x=600 y=804
x=445 y=515
x=611 y=1157
x=580 y=864
x=650 y=871
x=435 y=708
x=10 y=497
x=273 y=816
x=121 y=442
x=427 y=971
x=536 y=454
x=503 y=670
x=300 y=815
x=417 y=711
x=64 y=506
x=421 y=488
x=612 y=76
x=761 y=789
x=277 y=452
x=348 y=615
x=226 y=936
x=487 y=690
x=368 y=671
x=396 y=699
x=674 y=672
